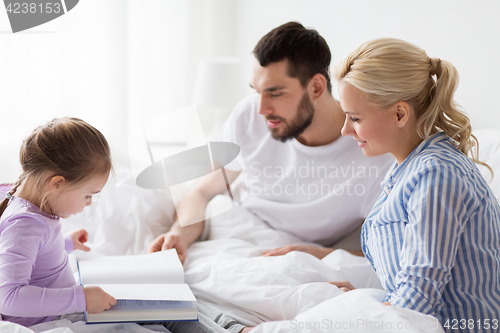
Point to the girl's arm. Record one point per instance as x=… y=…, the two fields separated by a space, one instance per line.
x=20 y=243
x=437 y=210
x=74 y=240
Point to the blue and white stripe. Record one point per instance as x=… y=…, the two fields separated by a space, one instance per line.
x=433 y=236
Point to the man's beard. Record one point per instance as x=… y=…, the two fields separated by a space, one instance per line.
x=302 y=120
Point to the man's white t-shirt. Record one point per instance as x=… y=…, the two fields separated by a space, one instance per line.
x=319 y=194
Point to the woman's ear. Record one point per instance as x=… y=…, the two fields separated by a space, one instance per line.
x=403 y=111
x=317 y=85
x=56 y=184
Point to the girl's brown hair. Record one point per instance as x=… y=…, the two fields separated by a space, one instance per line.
x=67 y=147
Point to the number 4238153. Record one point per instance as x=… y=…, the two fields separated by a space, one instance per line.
x=471 y=324
x=32 y=8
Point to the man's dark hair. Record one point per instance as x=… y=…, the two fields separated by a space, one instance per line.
x=306 y=51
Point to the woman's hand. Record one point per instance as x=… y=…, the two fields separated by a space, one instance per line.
x=318 y=252
x=343 y=285
x=97 y=300
x=79 y=237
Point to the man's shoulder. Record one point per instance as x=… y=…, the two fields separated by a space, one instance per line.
x=246 y=120
x=247 y=108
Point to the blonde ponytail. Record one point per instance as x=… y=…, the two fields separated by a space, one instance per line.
x=443 y=114
x=390 y=70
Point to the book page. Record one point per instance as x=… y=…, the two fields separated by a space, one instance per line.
x=136 y=311
x=154 y=292
x=123 y=304
x=153 y=268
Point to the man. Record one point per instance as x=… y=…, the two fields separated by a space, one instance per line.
x=303 y=176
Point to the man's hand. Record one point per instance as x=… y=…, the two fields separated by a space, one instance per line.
x=169 y=240
x=195 y=204
x=79 y=237
x=343 y=285
x=97 y=300
x=318 y=252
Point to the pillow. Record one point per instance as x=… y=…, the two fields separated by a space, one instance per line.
x=489 y=152
x=123 y=218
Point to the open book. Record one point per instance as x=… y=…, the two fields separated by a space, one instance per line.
x=148 y=287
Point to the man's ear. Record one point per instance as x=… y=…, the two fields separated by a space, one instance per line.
x=56 y=184
x=317 y=85
x=402 y=111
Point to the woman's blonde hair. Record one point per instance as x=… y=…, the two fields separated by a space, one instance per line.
x=390 y=70
x=67 y=147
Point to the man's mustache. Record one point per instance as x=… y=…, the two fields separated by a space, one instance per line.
x=274 y=118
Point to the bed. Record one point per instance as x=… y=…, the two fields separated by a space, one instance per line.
x=279 y=294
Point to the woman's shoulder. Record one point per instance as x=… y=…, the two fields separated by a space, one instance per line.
x=442 y=155
x=445 y=165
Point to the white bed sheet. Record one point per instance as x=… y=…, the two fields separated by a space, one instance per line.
x=231 y=273
x=282 y=294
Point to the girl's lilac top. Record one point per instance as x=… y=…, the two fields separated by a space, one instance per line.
x=36 y=281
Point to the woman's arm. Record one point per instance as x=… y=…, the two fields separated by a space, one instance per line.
x=437 y=210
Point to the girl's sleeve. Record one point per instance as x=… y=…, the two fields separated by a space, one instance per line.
x=69 y=246
x=19 y=246
x=437 y=210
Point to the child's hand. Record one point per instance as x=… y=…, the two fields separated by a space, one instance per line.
x=97 y=300
x=79 y=237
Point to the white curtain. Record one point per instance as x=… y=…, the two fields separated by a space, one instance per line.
x=113 y=63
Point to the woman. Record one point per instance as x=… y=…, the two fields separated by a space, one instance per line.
x=433 y=236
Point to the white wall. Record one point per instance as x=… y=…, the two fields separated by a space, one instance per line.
x=466 y=33
x=72 y=66
x=113 y=63
x=117 y=63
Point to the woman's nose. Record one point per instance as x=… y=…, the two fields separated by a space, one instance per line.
x=347 y=129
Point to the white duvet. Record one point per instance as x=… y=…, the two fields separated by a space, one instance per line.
x=279 y=294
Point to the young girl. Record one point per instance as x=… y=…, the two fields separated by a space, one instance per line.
x=64 y=163
x=433 y=236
